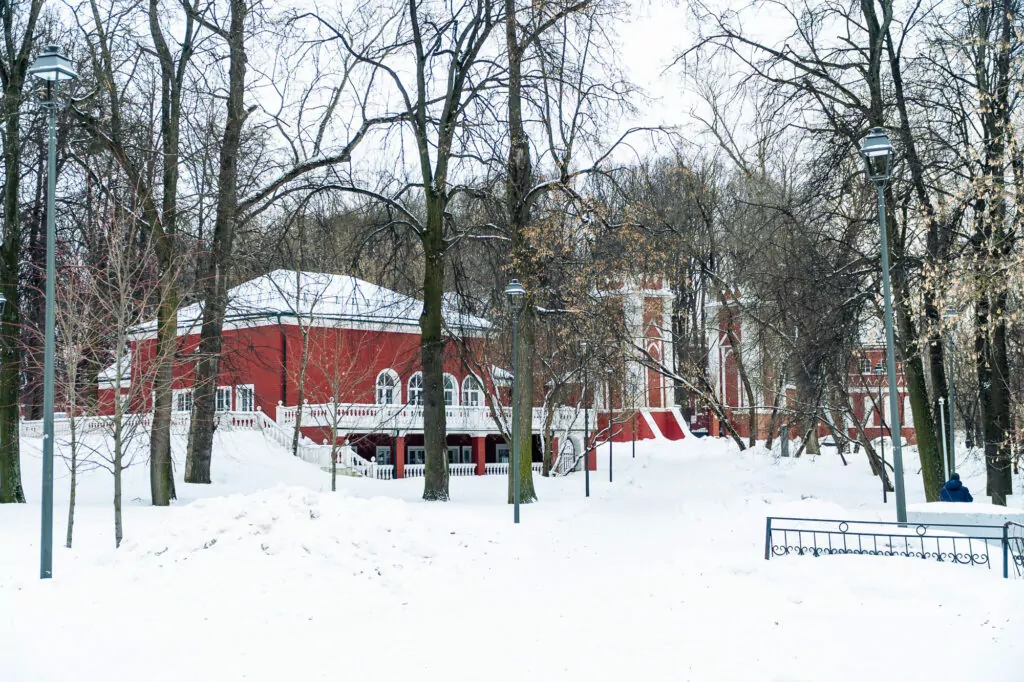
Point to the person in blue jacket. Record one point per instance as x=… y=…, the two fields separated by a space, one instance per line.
x=955 y=491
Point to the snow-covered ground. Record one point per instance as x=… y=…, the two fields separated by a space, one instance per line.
x=266 y=575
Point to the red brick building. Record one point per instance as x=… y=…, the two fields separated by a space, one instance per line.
x=867 y=382
x=354 y=348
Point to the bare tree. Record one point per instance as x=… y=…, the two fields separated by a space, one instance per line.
x=19 y=21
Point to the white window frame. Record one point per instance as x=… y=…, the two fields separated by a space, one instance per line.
x=383 y=454
x=467 y=454
x=472 y=391
x=416 y=392
x=502 y=453
x=454 y=454
x=218 y=398
x=181 y=400
x=243 y=393
x=415 y=454
x=395 y=389
x=450 y=384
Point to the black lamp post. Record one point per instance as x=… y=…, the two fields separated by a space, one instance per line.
x=586 y=420
x=951 y=316
x=516 y=297
x=51 y=66
x=877 y=154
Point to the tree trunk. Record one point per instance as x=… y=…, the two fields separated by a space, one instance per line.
x=997 y=418
x=74 y=475
x=301 y=389
x=214 y=272
x=10 y=342
x=518 y=184
x=435 y=475
x=118 y=445
x=161 y=469
x=524 y=376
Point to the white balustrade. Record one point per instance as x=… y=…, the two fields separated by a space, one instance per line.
x=461 y=469
x=414 y=470
x=499 y=468
x=369 y=418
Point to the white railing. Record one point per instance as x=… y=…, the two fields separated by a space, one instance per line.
x=308 y=451
x=501 y=468
x=360 y=417
x=349 y=460
x=415 y=470
x=462 y=469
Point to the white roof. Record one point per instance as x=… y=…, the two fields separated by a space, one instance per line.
x=313 y=295
x=107 y=377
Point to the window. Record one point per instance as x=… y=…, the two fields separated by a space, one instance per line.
x=245 y=398
x=865 y=366
x=384 y=454
x=183 y=400
x=454 y=452
x=387 y=388
x=879 y=369
x=223 y=398
x=416 y=456
x=472 y=392
x=467 y=454
x=501 y=453
x=451 y=390
x=416 y=389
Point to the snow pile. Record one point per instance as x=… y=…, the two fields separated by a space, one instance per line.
x=356 y=536
x=658 y=576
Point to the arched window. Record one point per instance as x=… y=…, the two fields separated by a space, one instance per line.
x=472 y=392
x=451 y=390
x=416 y=389
x=387 y=388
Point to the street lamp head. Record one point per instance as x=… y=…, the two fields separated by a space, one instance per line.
x=516 y=295
x=877 y=154
x=52 y=65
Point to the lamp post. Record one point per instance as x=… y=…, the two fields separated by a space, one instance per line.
x=951 y=315
x=611 y=423
x=51 y=66
x=586 y=420
x=942 y=422
x=516 y=296
x=877 y=154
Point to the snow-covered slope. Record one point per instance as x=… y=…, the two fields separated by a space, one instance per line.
x=658 y=576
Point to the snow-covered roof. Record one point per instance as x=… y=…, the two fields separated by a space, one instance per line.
x=313 y=295
x=108 y=376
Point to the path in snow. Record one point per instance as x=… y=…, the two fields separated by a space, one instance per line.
x=658 y=576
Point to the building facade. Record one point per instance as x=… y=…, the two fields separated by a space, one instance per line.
x=730 y=338
x=342 y=356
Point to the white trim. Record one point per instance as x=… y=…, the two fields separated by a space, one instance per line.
x=455 y=389
x=478 y=391
x=419 y=389
x=218 y=406
x=396 y=387
x=239 y=400
x=181 y=400
x=415 y=454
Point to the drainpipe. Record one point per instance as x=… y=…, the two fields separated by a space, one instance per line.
x=284 y=362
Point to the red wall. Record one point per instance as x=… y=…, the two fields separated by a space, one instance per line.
x=340 y=363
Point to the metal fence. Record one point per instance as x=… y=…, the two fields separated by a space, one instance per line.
x=972 y=545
